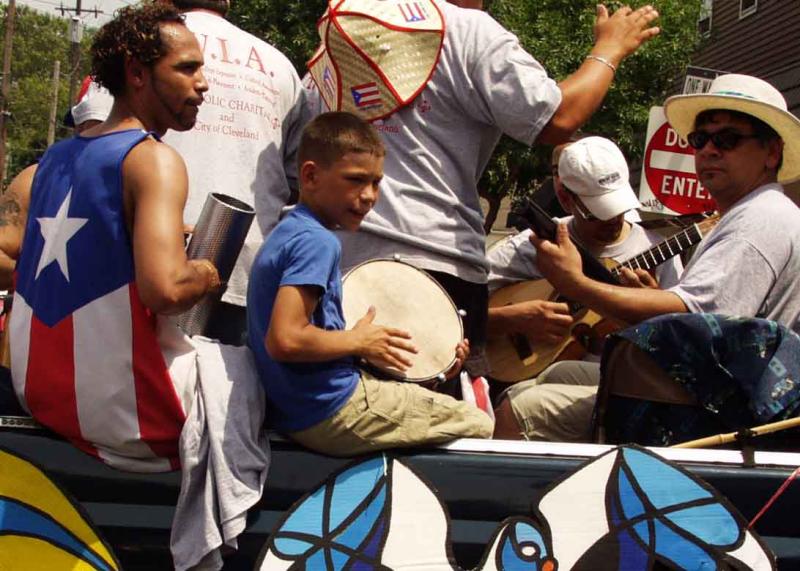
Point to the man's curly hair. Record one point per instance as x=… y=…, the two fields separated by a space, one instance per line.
x=133 y=33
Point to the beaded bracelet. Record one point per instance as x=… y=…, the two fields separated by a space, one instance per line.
x=604 y=61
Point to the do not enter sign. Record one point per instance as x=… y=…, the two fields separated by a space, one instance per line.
x=669 y=184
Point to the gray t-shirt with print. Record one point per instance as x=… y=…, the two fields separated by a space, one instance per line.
x=750 y=263
x=437 y=147
x=514 y=259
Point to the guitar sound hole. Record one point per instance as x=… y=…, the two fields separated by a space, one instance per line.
x=521 y=346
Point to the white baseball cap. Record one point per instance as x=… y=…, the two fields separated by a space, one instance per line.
x=595 y=169
x=94 y=105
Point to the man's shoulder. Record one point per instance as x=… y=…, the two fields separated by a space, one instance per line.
x=298 y=228
x=469 y=28
x=766 y=210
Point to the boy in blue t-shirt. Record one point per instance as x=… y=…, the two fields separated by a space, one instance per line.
x=305 y=357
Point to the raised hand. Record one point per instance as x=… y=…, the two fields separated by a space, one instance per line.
x=384 y=346
x=619 y=35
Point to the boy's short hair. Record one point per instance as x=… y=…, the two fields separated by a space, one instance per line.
x=135 y=33
x=330 y=136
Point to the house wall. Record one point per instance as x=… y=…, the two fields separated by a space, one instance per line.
x=765 y=44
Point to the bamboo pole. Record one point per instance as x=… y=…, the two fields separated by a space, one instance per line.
x=731 y=436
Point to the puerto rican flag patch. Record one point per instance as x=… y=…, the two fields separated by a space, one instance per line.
x=366 y=95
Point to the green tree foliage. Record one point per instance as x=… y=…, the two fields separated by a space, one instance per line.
x=289 y=25
x=39 y=40
x=559 y=34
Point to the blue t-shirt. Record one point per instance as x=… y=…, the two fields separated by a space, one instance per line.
x=300 y=251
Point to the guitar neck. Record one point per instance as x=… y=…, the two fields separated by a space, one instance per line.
x=663 y=251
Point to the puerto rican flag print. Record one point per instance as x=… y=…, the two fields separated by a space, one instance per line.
x=86 y=355
x=412 y=12
x=366 y=95
x=327 y=81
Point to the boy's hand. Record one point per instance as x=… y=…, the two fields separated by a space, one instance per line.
x=462 y=353
x=383 y=346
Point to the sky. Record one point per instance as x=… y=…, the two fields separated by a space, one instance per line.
x=52 y=7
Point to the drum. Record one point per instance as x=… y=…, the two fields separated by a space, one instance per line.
x=407 y=298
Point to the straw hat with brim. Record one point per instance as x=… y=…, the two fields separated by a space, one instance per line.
x=749 y=95
x=376 y=56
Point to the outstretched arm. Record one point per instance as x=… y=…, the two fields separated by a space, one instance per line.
x=155 y=186
x=292 y=337
x=560 y=263
x=13 y=217
x=616 y=37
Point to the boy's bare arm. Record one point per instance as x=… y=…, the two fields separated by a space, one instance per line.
x=292 y=338
x=13 y=218
x=156 y=186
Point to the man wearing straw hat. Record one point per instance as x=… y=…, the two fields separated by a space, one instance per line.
x=746 y=145
x=480 y=84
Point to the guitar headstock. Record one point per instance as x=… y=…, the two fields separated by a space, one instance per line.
x=710 y=220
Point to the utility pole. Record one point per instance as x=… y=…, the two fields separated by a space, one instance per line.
x=75 y=35
x=51 y=128
x=11 y=13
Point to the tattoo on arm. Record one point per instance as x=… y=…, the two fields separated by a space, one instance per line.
x=10 y=210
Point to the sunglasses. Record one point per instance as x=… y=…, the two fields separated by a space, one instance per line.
x=724 y=139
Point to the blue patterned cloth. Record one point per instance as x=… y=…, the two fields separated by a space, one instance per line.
x=744 y=372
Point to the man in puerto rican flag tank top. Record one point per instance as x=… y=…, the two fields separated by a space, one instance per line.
x=96 y=231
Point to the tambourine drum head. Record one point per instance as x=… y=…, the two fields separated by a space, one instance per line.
x=406 y=298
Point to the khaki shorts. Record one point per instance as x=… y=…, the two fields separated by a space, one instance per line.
x=557 y=405
x=389 y=414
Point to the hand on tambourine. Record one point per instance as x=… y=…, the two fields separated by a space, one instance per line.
x=462 y=353
x=381 y=345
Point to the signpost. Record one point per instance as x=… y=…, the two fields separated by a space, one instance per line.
x=698 y=79
x=669 y=184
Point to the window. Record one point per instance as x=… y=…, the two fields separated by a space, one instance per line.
x=747 y=7
x=704 y=22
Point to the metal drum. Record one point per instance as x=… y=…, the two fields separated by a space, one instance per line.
x=218 y=236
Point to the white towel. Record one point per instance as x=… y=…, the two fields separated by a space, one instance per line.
x=224 y=456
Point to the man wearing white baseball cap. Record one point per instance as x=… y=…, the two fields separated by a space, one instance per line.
x=746 y=144
x=593 y=186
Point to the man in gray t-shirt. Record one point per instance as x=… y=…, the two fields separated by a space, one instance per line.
x=484 y=85
x=746 y=144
